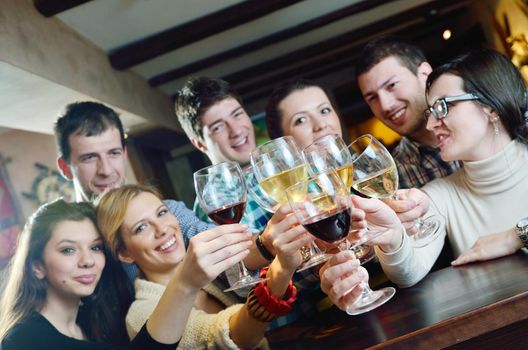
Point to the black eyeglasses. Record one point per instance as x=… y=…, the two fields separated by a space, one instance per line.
x=440 y=107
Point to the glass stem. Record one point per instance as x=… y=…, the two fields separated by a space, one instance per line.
x=242 y=270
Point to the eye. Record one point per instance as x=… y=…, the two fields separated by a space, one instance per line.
x=300 y=120
x=87 y=158
x=116 y=152
x=392 y=85
x=218 y=128
x=371 y=98
x=67 y=250
x=162 y=212
x=326 y=110
x=98 y=247
x=140 y=228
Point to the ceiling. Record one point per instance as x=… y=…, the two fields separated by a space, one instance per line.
x=165 y=41
x=253 y=44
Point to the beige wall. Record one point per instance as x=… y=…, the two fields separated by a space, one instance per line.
x=25 y=149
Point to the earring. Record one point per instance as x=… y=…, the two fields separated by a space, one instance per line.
x=496 y=130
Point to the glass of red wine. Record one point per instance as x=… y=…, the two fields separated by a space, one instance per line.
x=323 y=206
x=328 y=152
x=221 y=192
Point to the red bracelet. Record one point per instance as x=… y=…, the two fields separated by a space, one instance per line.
x=272 y=303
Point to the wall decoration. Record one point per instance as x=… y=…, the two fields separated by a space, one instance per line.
x=50 y=185
x=10 y=218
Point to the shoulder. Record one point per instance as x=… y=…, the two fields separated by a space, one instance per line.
x=23 y=336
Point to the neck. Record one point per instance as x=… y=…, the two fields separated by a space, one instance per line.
x=161 y=277
x=62 y=314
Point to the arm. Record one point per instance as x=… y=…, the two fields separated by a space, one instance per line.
x=209 y=253
x=246 y=331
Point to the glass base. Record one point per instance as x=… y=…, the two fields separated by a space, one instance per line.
x=370 y=301
x=313 y=261
x=427 y=232
x=245 y=282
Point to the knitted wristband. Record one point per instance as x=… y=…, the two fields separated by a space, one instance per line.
x=264 y=306
x=263 y=250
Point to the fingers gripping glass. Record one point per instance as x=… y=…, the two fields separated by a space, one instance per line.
x=221 y=192
x=440 y=107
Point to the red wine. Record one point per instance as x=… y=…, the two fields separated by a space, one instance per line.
x=330 y=226
x=230 y=214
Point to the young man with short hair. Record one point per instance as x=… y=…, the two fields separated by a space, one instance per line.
x=391 y=75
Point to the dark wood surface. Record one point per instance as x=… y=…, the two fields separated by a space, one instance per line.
x=482 y=305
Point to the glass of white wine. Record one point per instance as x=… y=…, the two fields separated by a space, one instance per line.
x=278 y=164
x=329 y=152
x=376 y=176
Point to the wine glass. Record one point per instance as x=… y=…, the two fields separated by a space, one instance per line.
x=221 y=192
x=323 y=205
x=376 y=176
x=278 y=164
x=328 y=152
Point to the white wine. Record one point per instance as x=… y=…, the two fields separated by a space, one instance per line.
x=275 y=186
x=346 y=173
x=382 y=184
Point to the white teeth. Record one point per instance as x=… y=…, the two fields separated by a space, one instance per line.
x=241 y=142
x=169 y=244
x=398 y=115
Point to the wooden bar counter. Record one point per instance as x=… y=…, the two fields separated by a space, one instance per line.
x=482 y=305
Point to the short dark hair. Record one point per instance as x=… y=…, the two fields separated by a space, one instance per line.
x=279 y=93
x=87 y=119
x=497 y=83
x=376 y=50
x=195 y=98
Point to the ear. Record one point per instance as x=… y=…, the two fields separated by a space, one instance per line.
x=125 y=257
x=39 y=271
x=423 y=71
x=199 y=144
x=64 y=169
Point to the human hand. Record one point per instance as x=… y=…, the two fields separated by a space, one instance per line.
x=491 y=246
x=213 y=251
x=410 y=205
x=288 y=244
x=341 y=278
x=276 y=226
x=380 y=218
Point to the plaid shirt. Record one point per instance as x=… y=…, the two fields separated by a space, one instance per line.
x=419 y=164
x=308 y=288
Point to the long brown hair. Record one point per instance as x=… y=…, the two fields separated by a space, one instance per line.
x=24 y=294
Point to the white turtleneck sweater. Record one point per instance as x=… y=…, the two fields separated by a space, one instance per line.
x=481 y=198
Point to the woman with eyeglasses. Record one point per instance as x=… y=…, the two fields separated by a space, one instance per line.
x=478 y=114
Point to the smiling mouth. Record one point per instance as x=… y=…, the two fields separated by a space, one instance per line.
x=398 y=115
x=240 y=143
x=167 y=245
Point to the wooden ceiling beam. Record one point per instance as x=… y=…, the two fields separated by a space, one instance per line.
x=49 y=8
x=419 y=13
x=271 y=39
x=195 y=30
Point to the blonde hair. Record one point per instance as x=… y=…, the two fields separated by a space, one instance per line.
x=111 y=209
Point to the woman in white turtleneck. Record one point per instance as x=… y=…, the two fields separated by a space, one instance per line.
x=477 y=112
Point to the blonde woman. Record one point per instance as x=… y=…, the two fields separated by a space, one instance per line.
x=139 y=229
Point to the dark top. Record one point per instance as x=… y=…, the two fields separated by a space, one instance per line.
x=37 y=333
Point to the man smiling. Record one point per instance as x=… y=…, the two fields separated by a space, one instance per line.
x=391 y=75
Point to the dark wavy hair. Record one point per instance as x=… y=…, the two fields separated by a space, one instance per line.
x=498 y=84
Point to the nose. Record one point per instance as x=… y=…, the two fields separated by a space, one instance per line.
x=432 y=123
x=104 y=167
x=86 y=259
x=160 y=230
x=319 y=123
x=386 y=101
